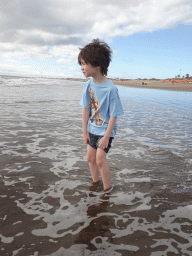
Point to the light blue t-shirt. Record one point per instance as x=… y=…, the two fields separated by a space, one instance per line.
x=103 y=102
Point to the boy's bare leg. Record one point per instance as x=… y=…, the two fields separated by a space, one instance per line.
x=104 y=169
x=91 y=157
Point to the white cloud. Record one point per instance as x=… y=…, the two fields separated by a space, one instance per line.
x=50 y=22
x=24 y=51
x=22 y=70
x=72 y=69
x=70 y=51
x=15 y=68
x=56 y=29
x=67 y=61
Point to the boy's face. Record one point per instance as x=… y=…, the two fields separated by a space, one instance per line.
x=88 y=70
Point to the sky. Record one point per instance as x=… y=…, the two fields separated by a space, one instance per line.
x=149 y=38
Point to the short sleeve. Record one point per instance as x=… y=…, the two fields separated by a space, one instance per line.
x=85 y=99
x=115 y=106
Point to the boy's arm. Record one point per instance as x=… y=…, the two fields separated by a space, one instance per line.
x=103 y=143
x=85 y=117
x=110 y=127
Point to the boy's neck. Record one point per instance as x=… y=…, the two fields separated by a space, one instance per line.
x=99 y=78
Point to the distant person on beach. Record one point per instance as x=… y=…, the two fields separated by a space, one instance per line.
x=101 y=106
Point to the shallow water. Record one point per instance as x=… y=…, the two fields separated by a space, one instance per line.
x=46 y=207
x=177 y=99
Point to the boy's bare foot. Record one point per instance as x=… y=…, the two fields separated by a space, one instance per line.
x=99 y=189
x=94 y=186
x=108 y=190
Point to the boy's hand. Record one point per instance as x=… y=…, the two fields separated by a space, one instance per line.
x=86 y=137
x=103 y=143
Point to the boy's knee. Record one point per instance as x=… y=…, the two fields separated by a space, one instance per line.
x=99 y=162
x=91 y=158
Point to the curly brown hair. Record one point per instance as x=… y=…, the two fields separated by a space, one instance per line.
x=98 y=54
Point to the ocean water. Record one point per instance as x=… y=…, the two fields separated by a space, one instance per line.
x=178 y=99
x=46 y=207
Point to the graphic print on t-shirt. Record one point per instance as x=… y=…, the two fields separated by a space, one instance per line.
x=94 y=104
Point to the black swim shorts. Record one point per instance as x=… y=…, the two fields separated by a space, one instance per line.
x=95 y=141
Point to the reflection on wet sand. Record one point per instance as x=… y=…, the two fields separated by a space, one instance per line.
x=46 y=207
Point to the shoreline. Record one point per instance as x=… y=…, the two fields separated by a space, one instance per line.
x=149 y=84
x=160 y=85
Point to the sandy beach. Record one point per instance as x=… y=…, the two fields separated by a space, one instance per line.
x=156 y=85
x=150 y=84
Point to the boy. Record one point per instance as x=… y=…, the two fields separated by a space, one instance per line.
x=101 y=106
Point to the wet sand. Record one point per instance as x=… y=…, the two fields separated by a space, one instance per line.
x=46 y=207
x=157 y=85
